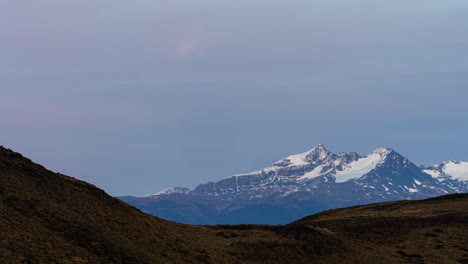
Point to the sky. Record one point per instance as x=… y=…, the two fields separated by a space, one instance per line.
x=137 y=96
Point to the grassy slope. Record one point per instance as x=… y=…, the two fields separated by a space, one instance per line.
x=47 y=217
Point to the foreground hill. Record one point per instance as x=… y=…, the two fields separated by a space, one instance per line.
x=298 y=185
x=50 y=218
x=47 y=217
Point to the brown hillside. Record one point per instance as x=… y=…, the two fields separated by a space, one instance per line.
x=47 y=217
x=51 y=218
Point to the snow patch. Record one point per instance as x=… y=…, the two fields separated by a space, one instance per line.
x=253 y=173
x=362 y=166
x=317 y=171
x=434 y=173
x=301 y=159
x=457 y=170
x=297 y=160
x=171 y=190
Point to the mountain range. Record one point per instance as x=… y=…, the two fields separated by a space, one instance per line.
x=306 y=183
x=47 y=217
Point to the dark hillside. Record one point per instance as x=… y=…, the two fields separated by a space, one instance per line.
x=51 y=218
x=47 y=217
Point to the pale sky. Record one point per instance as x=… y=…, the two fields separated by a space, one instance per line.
x=137 y=96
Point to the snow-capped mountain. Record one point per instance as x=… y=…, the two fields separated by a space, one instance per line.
x=451 y=173
x=306 y=183
x=382 y=173
x=172 y=190
x=453 y=170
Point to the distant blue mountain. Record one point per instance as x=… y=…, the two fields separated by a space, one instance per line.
x=304 y=184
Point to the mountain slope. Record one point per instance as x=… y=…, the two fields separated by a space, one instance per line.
x=50 y=218
x=453 y=174
x=302 y=184
x=47 y=217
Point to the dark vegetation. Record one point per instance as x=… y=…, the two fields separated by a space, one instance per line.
x=51 y=218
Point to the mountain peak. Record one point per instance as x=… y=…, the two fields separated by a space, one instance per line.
x=382 y=151
x=317 y=152
x=319 y=147
x=172 y=190
x=309 y=178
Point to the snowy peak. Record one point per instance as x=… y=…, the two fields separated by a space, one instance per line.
x=319 y=175
x=316 y=170
x=361 y=166
x=172 y=190
x=319 y=152
x=450 y=170
x=320 y=162
x=456 y=169
x=319 y=179
x=383 y=152
x=314 y=155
